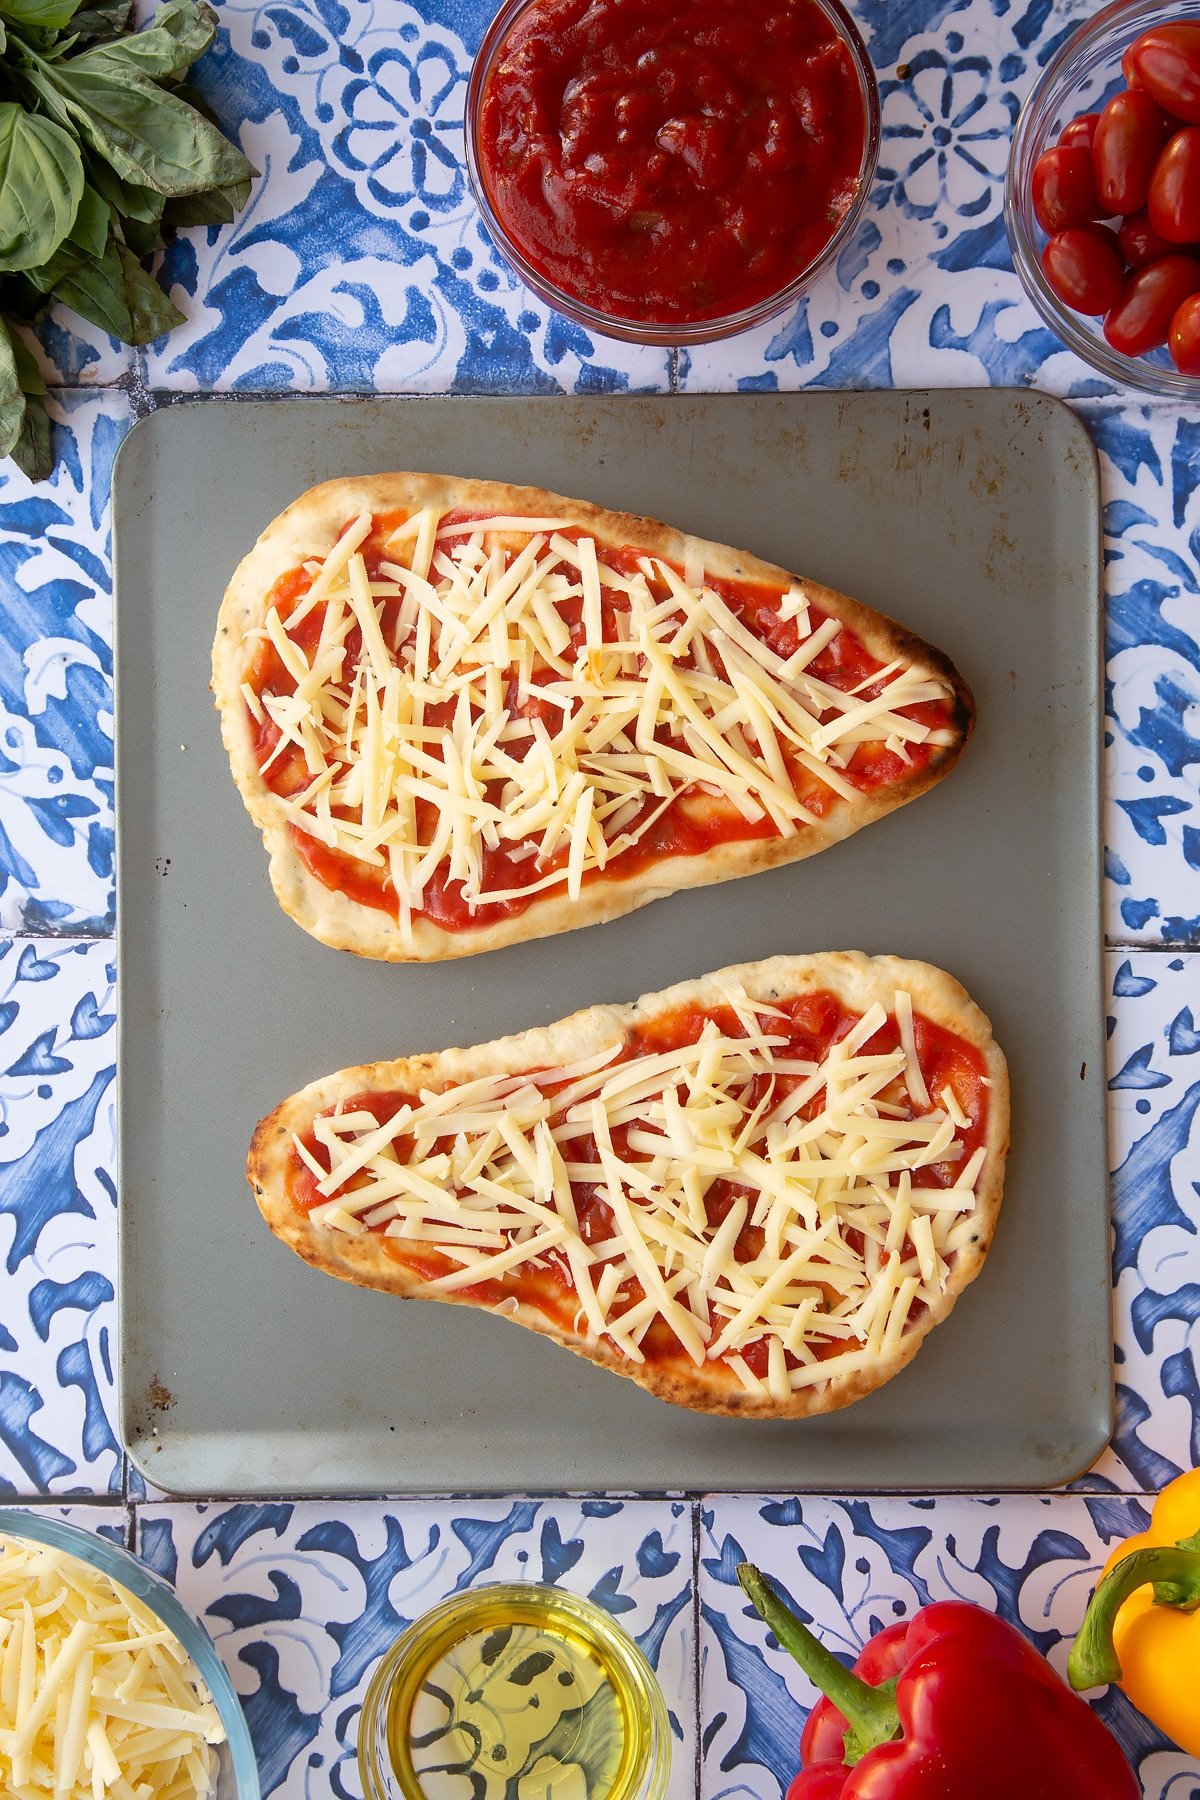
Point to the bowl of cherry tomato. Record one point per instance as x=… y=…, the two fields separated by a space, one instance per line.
x=1102 y=198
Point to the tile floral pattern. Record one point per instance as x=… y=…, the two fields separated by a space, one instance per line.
x=57 y=1219
x=71 y=353
x=56 y=705
x=302 y=1600
x=1150 y=462
x=361 y=265
x=1154 y=1126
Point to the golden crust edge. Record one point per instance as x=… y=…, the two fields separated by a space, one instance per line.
x=319 y=515
x=857 y=979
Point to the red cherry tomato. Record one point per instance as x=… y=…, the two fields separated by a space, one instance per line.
x=1174 y=198
x=1140 y=243
x=1085 y=268
x=1149 y=301
x=1183 y=339
x=1165 y=62
x=1130 y=133
x=1079 y=133
x=1064 y=188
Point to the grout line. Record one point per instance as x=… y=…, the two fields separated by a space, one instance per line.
x=27 y=934
x=141 y=400
x=1158 y=949
x=696 y=1680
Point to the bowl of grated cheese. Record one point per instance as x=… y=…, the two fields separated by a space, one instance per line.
x=108 y=1685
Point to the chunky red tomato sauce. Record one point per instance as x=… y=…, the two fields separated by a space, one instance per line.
x=814 y=1023
x=671 y=160
x=689 y=827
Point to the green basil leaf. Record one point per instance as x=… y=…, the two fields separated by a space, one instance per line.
x=12 y=399
x=98 y=24
x=28 y=373
x=33 y=451
x=84 y=242
x=143 y=239
x=151 y=311
x=179 y=32
x=41 y=182
x=64 y=262
x=149 y=135
x=3 y=37
x=43 y=15
x=124 y=197
x=96 y=291
x=216 y=206
x=90 y=230
x=19 y=299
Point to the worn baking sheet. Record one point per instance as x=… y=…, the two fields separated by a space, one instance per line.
x=973 y=517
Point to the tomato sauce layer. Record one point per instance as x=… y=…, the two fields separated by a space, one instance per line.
x=690 y=826
x=811 y=1025
x=671 y=160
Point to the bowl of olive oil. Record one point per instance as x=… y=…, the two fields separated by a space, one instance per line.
x=514 y=1692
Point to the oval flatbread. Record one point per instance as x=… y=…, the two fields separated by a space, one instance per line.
x=754 y=1194
x=465 y=714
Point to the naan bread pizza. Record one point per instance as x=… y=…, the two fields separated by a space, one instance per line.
x=464 y=714
x=754 y=1194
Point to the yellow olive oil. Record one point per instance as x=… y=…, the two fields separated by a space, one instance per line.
x=520 y=1693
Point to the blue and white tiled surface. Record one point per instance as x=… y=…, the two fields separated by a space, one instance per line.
x=360 y=265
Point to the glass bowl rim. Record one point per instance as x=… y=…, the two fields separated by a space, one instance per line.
x=698 y=331
x=436 y=1627
x=130 y=1572
x=1112 y=365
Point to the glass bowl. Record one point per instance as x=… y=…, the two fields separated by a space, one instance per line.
x=514 y=1688
x=1080 y=78
x=237 y=1769
x=648 y=331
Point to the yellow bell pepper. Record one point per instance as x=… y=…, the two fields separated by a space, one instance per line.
x=1142 y=1627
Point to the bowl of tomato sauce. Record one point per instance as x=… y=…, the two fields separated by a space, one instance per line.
x=671 y=171
x=1102 y=197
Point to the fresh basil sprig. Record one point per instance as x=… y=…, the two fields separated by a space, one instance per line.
x=103 y=152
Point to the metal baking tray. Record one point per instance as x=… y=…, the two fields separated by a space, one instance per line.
x=971 y=516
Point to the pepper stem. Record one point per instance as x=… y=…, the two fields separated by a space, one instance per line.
x=1174 y=1569
x=870 y=1711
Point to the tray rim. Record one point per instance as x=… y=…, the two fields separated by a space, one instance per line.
x=133 y=1439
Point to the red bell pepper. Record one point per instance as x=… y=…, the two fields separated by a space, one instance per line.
x=953 y=1705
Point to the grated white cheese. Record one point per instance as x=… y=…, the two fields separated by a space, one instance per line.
x=821 y=1242
x=472 y=720
x=97 y=1697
